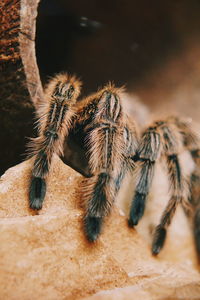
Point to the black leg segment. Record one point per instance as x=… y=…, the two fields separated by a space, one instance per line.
x=37 y=192
x=93 y=227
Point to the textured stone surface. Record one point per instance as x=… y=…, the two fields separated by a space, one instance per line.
x=46 y=256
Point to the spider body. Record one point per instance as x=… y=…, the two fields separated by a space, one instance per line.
x=98 y=139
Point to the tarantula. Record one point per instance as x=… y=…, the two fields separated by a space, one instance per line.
x=102 y=143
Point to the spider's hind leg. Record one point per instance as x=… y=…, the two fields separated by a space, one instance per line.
x=195 y=200
x=196 y=229
x=55 y=118
x=161 y=140
x=172 y=143
x=191 y=205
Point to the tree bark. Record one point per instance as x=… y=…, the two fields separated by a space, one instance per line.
x=20 y=86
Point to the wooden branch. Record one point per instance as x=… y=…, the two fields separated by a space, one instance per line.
x=20 y=85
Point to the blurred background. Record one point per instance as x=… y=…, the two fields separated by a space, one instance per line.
x=153 y=47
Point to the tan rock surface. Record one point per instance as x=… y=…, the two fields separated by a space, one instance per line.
x=46 y=256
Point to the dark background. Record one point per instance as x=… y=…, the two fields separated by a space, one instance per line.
x=124 y=41
x=152 y=47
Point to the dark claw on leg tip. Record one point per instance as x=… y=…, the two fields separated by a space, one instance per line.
x=132 y=222
x=197 y=233
x=36 y=204
x=37 y=193
x=92 y=228
x=158 y=240
x=137 y=209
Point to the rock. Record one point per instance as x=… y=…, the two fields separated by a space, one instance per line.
x=45 y=255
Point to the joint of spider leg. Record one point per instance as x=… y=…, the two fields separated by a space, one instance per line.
x=63 y=91
x=104 y=124
x=159 y=123
x=90 y=109
x=137 y=158
x=172 y=158
x=195 y=153
x=111 y=109
x=42 y=161
x=51 y=134
x=146 y=156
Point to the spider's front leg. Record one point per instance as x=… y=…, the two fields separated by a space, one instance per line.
x=55 y=119
x=109 y=141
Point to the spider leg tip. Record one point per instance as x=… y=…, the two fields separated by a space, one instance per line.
x=36 y=204
x=158 y=240
x=137 y=209
x=155 y=250
x=197 y=233
x=37 y=193
x=92 y=228
x=92 y=238
x=132 y=221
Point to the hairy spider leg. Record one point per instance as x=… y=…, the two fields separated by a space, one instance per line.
x=195 y=199
x=55 y=120
x=162 y=139
x=146 y=155
x=191 y=141
x=172 y=142
x=130 y=136
x=106 y=146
